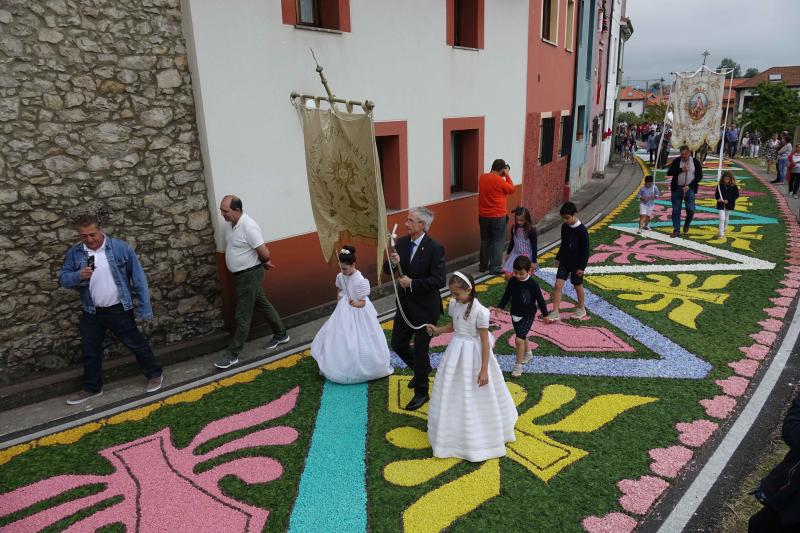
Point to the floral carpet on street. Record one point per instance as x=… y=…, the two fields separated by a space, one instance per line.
x=613 y=408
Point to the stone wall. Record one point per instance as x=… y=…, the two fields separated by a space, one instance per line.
x=97 y=113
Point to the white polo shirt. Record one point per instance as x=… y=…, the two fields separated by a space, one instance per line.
x=241 y=243
x=101 y=285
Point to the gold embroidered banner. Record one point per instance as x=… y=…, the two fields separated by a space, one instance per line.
x=344 y=178
x=697 y=108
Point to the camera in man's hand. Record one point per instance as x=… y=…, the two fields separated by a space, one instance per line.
x=90 y=262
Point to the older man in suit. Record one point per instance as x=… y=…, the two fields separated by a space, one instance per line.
x=421 y=261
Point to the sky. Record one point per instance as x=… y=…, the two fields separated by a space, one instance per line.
x=670 y=35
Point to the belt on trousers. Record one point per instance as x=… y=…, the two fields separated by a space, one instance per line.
x=117 y=308
x=247 y=269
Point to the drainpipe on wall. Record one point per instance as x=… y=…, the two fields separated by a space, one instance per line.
x=566 y=191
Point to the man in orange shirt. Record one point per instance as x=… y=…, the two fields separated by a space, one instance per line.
x=493 y=187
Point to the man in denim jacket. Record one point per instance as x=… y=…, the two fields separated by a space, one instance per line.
x=104 y=270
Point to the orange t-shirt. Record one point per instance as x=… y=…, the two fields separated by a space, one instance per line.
x=492 y=192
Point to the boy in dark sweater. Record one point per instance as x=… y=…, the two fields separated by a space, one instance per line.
x=525 y=295
x=571 y=260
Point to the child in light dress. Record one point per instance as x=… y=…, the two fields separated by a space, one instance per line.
x=647 y=200
x=523 y=240
x=471 y=415
x=351 y=346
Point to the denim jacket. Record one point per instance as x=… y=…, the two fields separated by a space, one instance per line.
x=125 y=268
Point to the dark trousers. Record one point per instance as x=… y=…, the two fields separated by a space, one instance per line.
x=679 y=198
x=250 y=296
x=493 y=231
x=794 y=182
x=652 y=152
x=122 y=324
x=417 y=360
x=768 y=520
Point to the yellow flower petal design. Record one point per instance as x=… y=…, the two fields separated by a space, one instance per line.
x=190 y=395
x=440 y=508
x=286 y=362
x=244 y=377
x=597 y=412
x=412 y=472
x=69 y=436
x=409 y=438
x=9 y=453
x=135 y=415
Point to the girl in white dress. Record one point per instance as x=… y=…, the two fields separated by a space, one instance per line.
x=471 y=415
x=351 y=346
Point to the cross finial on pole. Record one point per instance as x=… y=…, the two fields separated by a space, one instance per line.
x=705 y=55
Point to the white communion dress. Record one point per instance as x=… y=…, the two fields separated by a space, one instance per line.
x=465 y=420
x=351 y=346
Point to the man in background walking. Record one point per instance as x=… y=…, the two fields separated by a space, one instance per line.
x=247 y=256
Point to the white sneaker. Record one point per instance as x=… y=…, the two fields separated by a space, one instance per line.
x=527 y=358
x=720 y=235
x=517 y=372
x=553 y=316
x=579 y=313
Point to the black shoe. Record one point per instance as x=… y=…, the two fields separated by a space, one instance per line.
x=774 y=181
x=482 y=269
x=276 y=340
x=417 y=401
x=412 y=383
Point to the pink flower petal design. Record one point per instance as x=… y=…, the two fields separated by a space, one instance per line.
x=639 y=495
x=767 y=338
x=719 y=407
x=776 y=312
x=791 y=292
x=696 y=433
x=745 y=367
x=783 y=301
x=770 y=324
x=668 y=462
x=159 y=484
x=645 y=250
x=733 y=386
x=792 y=283
x=756 y=351
x=568 y=337
x=610 y=523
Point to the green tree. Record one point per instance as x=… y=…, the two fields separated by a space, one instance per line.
x=654 y=114
x=629 y=118
x=727 y=62
x=775 y=107
x=749 y=73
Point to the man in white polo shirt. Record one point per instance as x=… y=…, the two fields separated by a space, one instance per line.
x=107 y=274
x=247 y=257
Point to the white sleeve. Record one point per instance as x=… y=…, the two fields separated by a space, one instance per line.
x=450 y=306
x=360 y=289
x=253 y=236
x=340 y=281
x=482 y=317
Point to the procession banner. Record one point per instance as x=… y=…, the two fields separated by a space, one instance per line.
x=697 y=109
x=344 y=178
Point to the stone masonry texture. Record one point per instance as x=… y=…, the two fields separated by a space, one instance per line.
x=97 y=114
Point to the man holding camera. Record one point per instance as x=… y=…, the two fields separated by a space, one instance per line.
x=493 y=188
x=107 y=274
x=247 y=256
